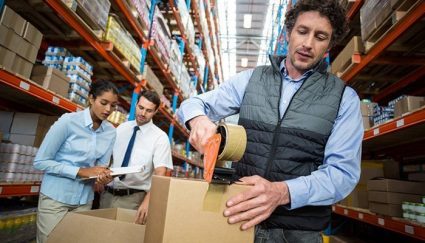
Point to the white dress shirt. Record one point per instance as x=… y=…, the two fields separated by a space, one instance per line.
x=151 y=149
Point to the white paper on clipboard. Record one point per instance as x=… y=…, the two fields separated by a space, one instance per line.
x=122 y=171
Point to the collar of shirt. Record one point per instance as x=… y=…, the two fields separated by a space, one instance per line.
x=88 y=121
x=286 y=76
x=144 y=127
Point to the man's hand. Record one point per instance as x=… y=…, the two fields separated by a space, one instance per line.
x=98 y=187
x=142 y=211
x=93 y=171
x=104 y=177
x=201 y=130
x=258 y=203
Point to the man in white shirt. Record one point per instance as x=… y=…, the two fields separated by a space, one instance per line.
x=138 y=143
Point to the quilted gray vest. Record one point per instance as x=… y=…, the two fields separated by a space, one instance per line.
x=285 y=146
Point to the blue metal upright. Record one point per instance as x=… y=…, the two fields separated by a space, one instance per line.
x=174 y=107
x=205 y=78
x=187 y=153
x=1 y=6
x=181 y=43
x=188 y=5
x=144 y=51
x=195 y=81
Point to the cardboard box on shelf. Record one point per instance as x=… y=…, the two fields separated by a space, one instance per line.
x=357 y=198
x=12 y=20
x=23 y=139
x=6 y=119
x=153 y=81
x=31 y=123
x=106 y=225
x=342 y=61
x=51 y=79
x=367 y=108
x=6 y=58
x=176 y=217
x=408 y=103
x=390 y=185
x=370 y=169
x=393 y=210
x=393 y=197
x=22 y=67
x=27 y=51
x=9 y=39
x=32 y=35
x=367 y=122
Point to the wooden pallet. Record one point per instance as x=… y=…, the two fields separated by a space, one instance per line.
x=116 y=53
x=388 y=24
x=349 y=64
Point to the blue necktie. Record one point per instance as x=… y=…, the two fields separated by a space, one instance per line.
x=129 y=150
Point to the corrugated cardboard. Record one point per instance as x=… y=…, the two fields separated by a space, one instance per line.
x=99 y=226
x=354 y=46
x=367 y=122
x=27 y=51
x=22 y=67
x=7 y=58
x=184 y=210
x=390 y=185
x=12 y=20
x=33 y=35
x=23 y=139
x=9 y=39
x=51 y=79
x=153 y=81
x=370 y=169
x=357 y=198
x=393 y=197
x=367 y=108
x=393 y=210
x=408 y=103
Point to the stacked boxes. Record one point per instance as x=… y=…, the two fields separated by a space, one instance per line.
x=98 y=10
x=387 y=195
x=201 y=61
x=367 y=110
x=405 y=104
x=51 y=79
x=175 y=59
x=16 y=163
x=185 y=83
x=123 y=41
x=76 y=69
x=344 y=59
x=141 y=13
x=19 y=43
x=153 y=81
x=161 y=35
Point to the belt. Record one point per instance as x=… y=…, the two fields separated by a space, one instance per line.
x=122 y=192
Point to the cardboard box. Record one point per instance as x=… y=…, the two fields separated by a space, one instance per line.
x=390 y=185
x=408 y=103
x=367 y=108
x=7 y=58
x=184 y=210
x=22 y=67
x=343 y=59
x=367 y=122
x=27 y=51
x=32 y=35
x=393 y=210
x=12 y=20
x=100 y=226
x=393 y=197
x=153 y=81
x=357 y=198
x=27 y=123
x=370 y=169
x=51 y=79
x=9 y=39
x=23 y=139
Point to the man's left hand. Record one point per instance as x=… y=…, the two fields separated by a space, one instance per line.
x=258 y=203
x=142 y=212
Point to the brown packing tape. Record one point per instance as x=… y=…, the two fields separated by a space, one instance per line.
x=213 y=197
x=234 y=137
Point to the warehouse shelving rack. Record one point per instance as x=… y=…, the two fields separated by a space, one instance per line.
x=391 y=137
x=14 y=83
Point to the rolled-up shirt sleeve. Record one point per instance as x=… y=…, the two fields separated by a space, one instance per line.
x=45 y=158
x=340 y=171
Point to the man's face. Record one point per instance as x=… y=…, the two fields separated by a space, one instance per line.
x=308 y=41
x=145 y=110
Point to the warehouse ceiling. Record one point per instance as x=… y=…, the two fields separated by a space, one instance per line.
x=245 y=47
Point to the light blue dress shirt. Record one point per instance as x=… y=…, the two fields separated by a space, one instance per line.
x=340 y=171
x=71 y=144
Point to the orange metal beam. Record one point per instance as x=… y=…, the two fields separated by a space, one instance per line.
x=9 y=190
x=409 y=79
x=36 y=91
x=400 y=226
x=67 y=15
x=354 y=9
x=173 y=121
x=400 y=60
x=407 y=21
x=412 y=119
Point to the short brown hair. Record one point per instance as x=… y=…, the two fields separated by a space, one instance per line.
x=331 y=9
x=152 y=96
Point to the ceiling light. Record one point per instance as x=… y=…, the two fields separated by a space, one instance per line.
x=247 y=18
x=244 y=62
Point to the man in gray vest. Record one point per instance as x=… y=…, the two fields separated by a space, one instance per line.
x=304 y=131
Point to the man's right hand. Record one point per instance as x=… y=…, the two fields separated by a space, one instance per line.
x=92 y=171
x=201 y=130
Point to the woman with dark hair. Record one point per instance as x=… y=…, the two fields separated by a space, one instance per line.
x=77 y=146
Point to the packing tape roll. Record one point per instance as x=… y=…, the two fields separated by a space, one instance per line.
x=233 y=142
